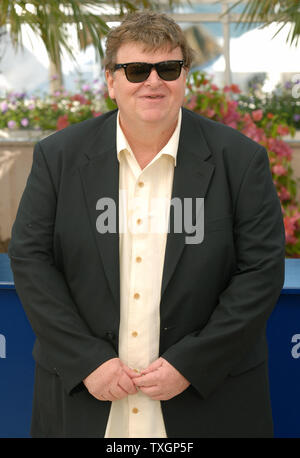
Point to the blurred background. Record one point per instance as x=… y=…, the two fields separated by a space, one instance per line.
x=246 y=74
x=233 y=50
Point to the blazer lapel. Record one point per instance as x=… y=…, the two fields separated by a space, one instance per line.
x=192 y=176
x=100 y=180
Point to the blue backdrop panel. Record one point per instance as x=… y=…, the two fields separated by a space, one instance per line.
x=17 y=365
x=283 y=333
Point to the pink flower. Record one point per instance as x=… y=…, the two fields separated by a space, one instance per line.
x=282 y=130
x=279 y=170
x=24 y=122
x=62 y=122
x=231 y=116
x=291 y=224
x=279 y=147
x=3 y=107
x=192 y=103
x=284 y=194
x=210 y=112
x=86 y=87
x=257 y=115
x=11 y=124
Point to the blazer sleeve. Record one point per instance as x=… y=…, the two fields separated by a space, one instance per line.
x=206 y=357
x=63 y=335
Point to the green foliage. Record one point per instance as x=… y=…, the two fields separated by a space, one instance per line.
x=283 y=102
x=49 y=20
x=226 y=105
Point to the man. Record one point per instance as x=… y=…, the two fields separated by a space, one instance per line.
x=141 y=331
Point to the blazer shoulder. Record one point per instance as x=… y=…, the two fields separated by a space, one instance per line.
x=76 y=139
x=220 y=137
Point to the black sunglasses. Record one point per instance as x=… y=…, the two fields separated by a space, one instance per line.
x=137 y=72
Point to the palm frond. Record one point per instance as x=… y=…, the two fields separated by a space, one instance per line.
x=48 y=19
x=269 y=11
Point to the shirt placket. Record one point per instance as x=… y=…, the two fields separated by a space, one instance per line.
x=138 y=333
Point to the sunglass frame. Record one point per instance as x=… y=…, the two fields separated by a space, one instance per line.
x=150 y=66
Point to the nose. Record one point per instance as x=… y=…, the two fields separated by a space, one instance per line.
x=153 y=78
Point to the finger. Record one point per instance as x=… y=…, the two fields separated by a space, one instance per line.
x=147 y=380
x=151 y=390
x=153 y=366
x=100 y=397
x=118 y=392
x=109 y=396
x=157 y=394
x=127 y=384
x=132 y=373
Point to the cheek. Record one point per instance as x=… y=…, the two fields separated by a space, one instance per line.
x=178 y=90
x=179 y=94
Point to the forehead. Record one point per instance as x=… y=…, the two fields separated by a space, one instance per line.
x=134 y=52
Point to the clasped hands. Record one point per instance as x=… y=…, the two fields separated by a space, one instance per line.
x=114 y=380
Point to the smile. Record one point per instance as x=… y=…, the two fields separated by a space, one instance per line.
x=153 y=97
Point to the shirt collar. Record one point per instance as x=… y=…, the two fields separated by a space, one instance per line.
x=170 y=149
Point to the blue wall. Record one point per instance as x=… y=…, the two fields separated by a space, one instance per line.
x=17 y=365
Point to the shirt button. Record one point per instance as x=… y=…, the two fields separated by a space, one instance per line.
x=136 y=296
x=139 y=221
x=135 y=410
x=141 y=184
x=134 y=334
x=138 y=259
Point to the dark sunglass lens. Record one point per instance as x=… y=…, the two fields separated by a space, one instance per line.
x=136 y=73
x=169 y=71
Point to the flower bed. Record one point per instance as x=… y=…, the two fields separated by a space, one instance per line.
x=265 y=128
x=223 y=105
x=18 y=111
x=283 y=101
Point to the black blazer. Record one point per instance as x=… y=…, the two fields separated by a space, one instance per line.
x=216 y=295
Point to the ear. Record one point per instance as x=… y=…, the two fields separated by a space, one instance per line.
x=110 y=83
x=185 y=73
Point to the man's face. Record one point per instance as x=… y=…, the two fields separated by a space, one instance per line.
x=151 y=102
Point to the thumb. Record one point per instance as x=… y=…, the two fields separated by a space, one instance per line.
x=153 y=366
x=130 y=372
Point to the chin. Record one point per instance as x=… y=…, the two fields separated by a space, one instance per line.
x=153 y=117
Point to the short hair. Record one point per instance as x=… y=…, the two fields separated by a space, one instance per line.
x=152 y=30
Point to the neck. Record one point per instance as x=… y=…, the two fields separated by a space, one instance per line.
x=147 y=141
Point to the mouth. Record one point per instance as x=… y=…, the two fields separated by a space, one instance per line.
x=153 y=97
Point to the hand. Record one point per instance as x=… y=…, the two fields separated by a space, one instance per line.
x=111 y=381
x=161 y=381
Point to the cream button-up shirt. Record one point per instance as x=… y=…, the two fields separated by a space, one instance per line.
x=144 y=200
